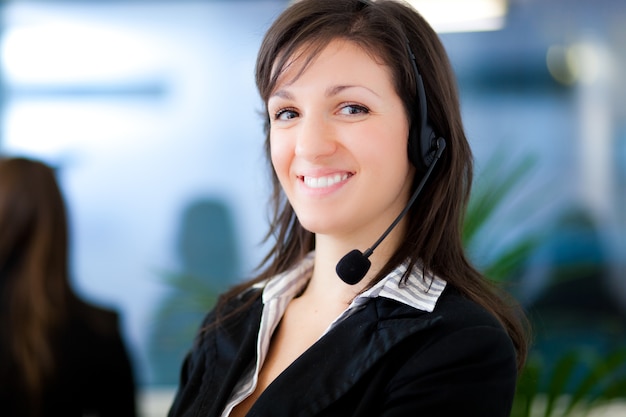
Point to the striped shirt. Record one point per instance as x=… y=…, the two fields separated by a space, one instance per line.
x=281 y=289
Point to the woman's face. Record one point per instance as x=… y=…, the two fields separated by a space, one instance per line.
x=338 y=140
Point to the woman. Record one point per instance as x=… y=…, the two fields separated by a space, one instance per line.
x=58 y=355
x=419 y=331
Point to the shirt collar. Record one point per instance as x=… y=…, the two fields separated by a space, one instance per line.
x=290 y=282
x=415 y=291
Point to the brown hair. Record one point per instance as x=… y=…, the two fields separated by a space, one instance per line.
x=434 y=223
x=34 y=288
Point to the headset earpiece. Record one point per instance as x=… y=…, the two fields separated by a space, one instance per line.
x=422 y=146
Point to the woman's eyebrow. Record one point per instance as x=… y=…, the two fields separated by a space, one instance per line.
x=330 y=91
x=334 y=90
x=282 y=94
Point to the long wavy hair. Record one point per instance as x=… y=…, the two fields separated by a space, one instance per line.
x=34 y=288
x=434 y=223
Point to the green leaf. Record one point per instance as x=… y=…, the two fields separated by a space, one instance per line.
x=527 y=388
x=498 y=181
x=610 y=377
x=559 y=380
x=504 y=265
x=491 y=189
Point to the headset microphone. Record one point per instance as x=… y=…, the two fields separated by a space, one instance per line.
x=355 y=264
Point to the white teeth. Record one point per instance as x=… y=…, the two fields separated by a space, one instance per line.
x=322 y=182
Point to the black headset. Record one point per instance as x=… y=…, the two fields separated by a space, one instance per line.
x=423 y=141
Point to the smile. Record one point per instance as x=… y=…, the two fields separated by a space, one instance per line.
x=324 y=182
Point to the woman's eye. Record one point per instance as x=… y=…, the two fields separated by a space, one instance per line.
x=352 y=109
x=285 y=114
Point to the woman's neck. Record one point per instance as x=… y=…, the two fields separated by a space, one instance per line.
x=326 y=284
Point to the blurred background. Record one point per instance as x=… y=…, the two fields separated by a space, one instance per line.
x=149 y=110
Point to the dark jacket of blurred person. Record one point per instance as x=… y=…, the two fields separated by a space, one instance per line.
x=59 y=356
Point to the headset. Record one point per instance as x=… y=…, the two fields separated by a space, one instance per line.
x=425 y=148
x=423 y=141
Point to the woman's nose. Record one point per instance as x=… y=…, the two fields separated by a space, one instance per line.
x=316 y=138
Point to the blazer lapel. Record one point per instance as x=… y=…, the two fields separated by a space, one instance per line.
x=230 y=350
x=340 y=358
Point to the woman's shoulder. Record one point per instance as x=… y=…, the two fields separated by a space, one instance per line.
x=467 y=331
x=453 y=312
x=464 y=352
x=230 y=304
x=92 y=334
x=230 y=310
x=93 y=318
x=458 y=310
x=92 y=337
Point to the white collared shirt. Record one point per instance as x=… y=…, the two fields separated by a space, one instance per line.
x=278 y=292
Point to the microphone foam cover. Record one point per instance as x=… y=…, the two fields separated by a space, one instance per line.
x=353 y=267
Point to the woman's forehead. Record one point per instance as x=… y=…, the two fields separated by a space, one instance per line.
x=302 y=56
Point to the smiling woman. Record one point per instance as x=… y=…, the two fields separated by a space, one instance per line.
x=361 y=103
x=338 y=136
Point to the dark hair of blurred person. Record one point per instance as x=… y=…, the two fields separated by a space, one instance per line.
x=59 y=356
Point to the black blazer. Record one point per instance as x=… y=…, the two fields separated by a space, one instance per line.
x=388 y=359
x=94 y=375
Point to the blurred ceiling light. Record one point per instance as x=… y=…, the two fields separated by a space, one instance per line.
x=591 y=60
x=560 y=64
x=586 y=61
x=462 y=15
x=48 y=46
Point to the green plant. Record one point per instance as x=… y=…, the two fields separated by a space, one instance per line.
x=498 y=181
x=176 y=322
x=578 y=382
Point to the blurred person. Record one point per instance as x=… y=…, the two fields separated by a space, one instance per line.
x=362 y=117
x=59 y=356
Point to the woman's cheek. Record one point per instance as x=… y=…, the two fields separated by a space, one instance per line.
x=280 y=155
